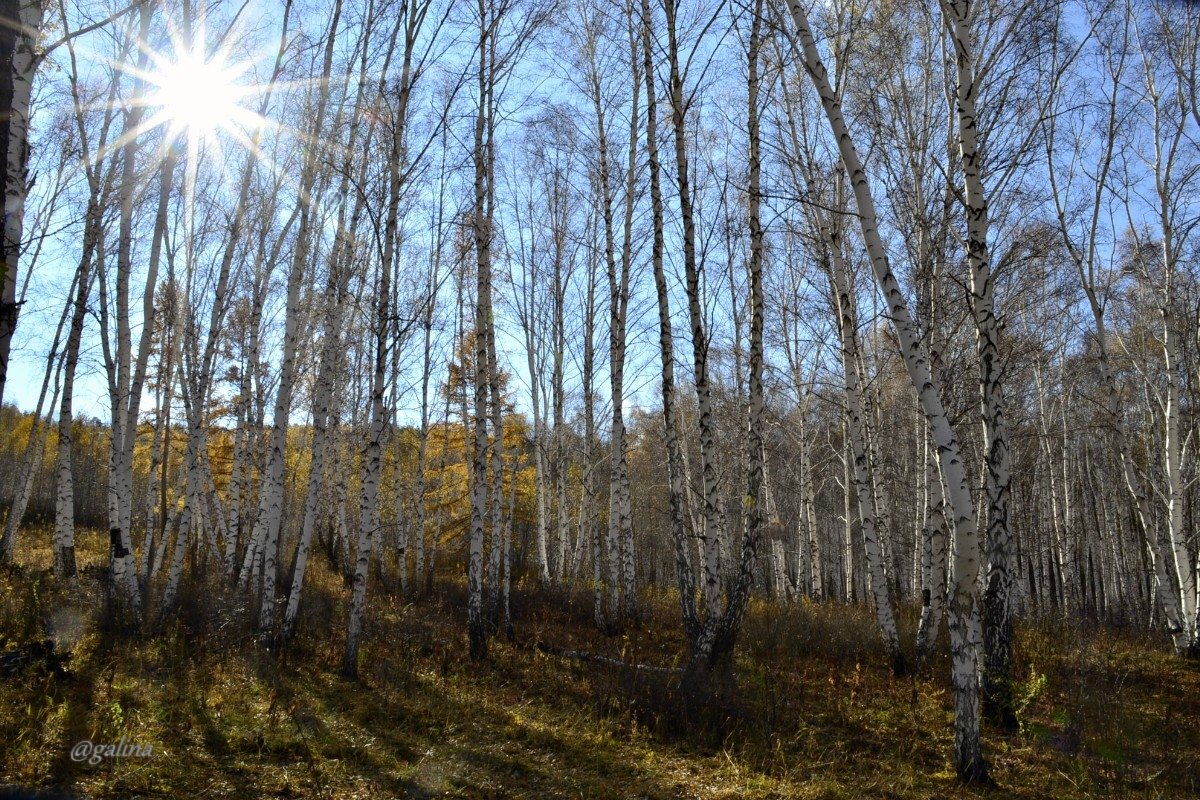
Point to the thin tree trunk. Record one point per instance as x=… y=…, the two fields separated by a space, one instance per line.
x=481 y=229
x=337 y=286
x=710 y=529
x=757 y=494
x=369 y=515
x=998 y=697
x=64 y=514
x=39 y=434
x=861 y=474
x=933 y=537
x=965 y=629
x=270 y=513
x=676 y=469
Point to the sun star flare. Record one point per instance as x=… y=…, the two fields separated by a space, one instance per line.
x=198 y=95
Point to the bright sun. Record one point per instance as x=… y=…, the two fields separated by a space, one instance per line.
x=198 y=96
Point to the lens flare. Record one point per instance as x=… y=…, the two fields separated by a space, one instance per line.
x=198 y=96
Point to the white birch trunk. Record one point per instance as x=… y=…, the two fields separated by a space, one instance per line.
x=39 y=434
x=419 y=481
x=588 y=531
x=64 y=511
x=335 y=292
x=756 y=502
x=160 y=446
x=618 y=443
x=496 y=409
x=125 y=377
x=933 y=538
x=482 y=233
x=965 y=628
x=998 y=644
x=676 y=469
x=24 y=62
x=710 y=529
x=369 y=515
x=270 y=513
x=189 y=513
x=861 y=476
x=370 y=482
x=610 y=577
x=1185 y=574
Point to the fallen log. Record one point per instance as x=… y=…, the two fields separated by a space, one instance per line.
x=584 y=655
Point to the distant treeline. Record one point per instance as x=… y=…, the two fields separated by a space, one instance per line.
x=90 y=454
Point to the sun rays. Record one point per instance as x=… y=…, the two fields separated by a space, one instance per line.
x=198 y=96
x=201 y=99
x=213 y=97
x=201 y=96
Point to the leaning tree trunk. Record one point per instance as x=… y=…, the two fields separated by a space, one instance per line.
x=336 y=288
x=160 y=449
x=64 y=511
x=965 y=630
x=39 y=433
x=322 y=400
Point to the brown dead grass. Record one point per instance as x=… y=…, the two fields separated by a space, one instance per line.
x=816 y=714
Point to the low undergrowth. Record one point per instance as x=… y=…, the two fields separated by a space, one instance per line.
x=815 y=712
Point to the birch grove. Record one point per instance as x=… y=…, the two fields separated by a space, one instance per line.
x=769 y=304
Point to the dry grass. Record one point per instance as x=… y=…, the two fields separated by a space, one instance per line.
x=816 y=713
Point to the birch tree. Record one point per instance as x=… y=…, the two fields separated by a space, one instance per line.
x=340 y=269
x=21 y=22
x=676 y=469
x=1166 y=97
x=863 y=476
x=505 y=28
x=966 y=634
x=416 y=52
x=481 y=229
x=270 y=512
x=998 y=656
x=99 y=177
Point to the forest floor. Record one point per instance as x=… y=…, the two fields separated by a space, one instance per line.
x=815 y=714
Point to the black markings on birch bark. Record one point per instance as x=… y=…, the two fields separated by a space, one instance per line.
x=966 y=634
